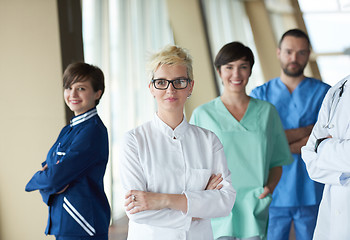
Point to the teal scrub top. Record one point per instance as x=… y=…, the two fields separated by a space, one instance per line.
x=252 y=147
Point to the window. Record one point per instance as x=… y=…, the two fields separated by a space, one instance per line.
x=118 y=36
x=327 y=22
x=217 y=15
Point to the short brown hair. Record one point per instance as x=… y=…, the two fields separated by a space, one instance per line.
x=294 y=33
x=233 y=51
x=81 y=72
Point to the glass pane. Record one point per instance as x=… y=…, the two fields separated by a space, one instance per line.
x=328 y=32
x=217 y=15
x=118 y=35
x=334 y=68
x=344 y=5
x=318 y=5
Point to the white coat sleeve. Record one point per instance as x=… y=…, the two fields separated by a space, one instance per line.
x=329 y=164
x=213 y=203
x=335 y=155
x=133 y=178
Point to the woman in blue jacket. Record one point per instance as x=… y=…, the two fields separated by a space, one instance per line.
x=71 y=178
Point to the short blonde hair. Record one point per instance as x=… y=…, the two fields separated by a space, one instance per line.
x=171 y=55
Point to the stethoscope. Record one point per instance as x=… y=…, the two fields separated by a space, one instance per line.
x=335 y=100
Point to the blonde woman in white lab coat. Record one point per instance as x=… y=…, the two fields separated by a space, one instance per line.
x=174 y=174
x=327 y=159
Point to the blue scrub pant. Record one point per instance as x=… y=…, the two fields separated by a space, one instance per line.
x=82 y=238
x=280 y=220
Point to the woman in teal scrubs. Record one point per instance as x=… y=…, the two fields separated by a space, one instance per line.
x=254 y=142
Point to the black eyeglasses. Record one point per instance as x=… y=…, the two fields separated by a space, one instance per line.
x=163 y=84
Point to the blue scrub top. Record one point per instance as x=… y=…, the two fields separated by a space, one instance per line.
x=297 y=109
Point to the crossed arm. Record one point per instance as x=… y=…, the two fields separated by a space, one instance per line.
x=61 y=191
x=298 y=137
x=54 y=177
x=138 y=201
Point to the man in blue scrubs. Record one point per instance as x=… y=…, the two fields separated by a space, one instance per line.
x=297 y=99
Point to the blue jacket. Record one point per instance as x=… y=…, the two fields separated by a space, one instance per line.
x=78 y=159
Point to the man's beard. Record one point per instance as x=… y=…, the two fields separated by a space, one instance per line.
x=296 y=73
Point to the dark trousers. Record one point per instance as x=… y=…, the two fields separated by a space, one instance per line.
x=82 y=238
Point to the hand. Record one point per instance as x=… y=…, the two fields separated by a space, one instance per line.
x=266 y=192
x=295 y=147
x=214 y=182
x=138 y=201
x=63 y=190
x=44 y=168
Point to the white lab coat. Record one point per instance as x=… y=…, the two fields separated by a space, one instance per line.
x=156 y=158
x=331 y=164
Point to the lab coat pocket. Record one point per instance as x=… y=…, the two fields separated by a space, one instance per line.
x=198 y=179
x=77 y=217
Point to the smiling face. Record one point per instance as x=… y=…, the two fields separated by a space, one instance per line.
x=293 y=55
x=235 y=75
x=171 y=99
x=81 y=97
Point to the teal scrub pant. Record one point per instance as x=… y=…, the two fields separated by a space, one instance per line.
x=280 y=220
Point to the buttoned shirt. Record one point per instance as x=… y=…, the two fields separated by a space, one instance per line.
x=156 y=158
x=330 y=165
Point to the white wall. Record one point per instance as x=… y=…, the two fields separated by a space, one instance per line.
x=32 y=110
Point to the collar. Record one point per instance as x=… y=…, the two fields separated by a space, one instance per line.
x=177 y=133
x=83 y=117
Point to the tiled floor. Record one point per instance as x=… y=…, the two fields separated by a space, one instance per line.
x=119 y=229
